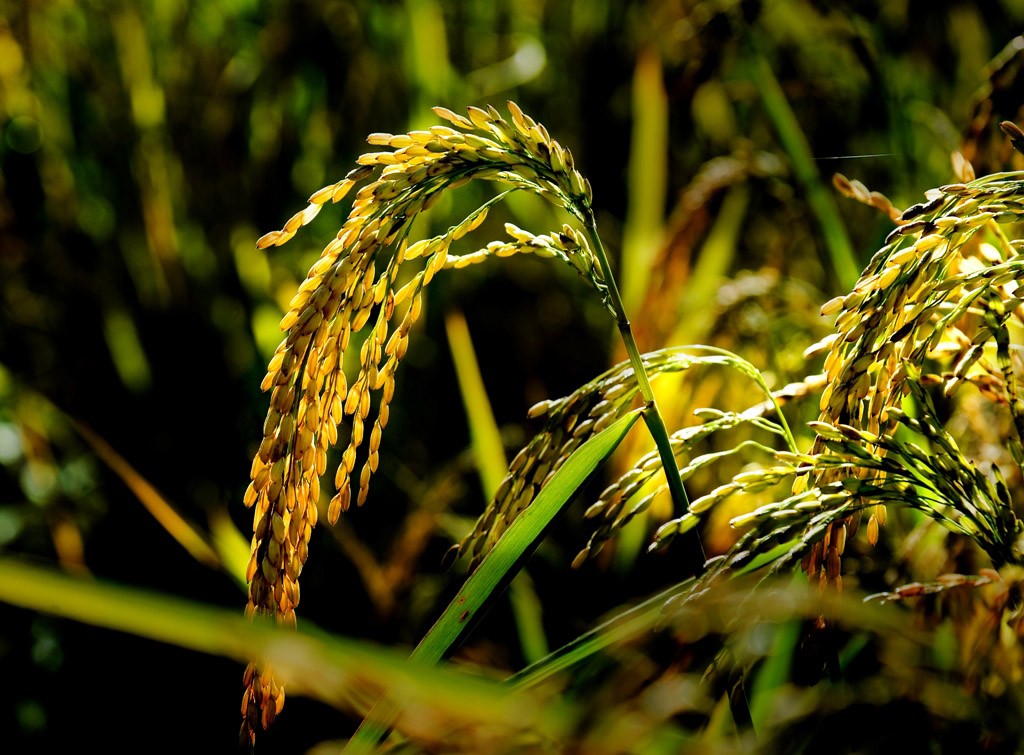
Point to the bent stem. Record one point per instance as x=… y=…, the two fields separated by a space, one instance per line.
x=651 y=414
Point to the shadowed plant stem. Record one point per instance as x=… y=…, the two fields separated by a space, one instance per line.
x=652 y=416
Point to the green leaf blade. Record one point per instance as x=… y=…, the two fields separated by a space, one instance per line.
x=516 y=543
x=498 y=567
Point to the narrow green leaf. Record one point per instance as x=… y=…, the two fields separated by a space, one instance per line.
x=516 y=543
x=335 y=670
x=501 y=563
x=489 y=453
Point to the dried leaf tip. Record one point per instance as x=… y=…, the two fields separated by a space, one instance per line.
x=1015 y=133
x=842 y=184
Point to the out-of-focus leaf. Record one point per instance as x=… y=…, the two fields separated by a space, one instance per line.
x=335 y=670
x=165 y=514
x=794 y=141
x=488 y=449
x=630 y=623
x=648 y=176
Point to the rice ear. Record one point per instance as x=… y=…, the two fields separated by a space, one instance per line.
x=353 y=287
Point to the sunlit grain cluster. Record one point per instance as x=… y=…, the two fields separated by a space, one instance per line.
x=937 y=306
x=934 y=282
x=366 y=291
x=568 y=245
x=568 y=423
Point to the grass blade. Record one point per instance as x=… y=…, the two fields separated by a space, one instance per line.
x=500 y=564
x=489 y=453
x=335 y=670
x=165 y=514
x=488 y=450
x=518 y=541
x=794 y=142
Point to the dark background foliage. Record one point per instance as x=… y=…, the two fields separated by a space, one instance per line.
x=145 y=147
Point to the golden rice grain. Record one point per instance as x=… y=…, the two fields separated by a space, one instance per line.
x=353 y=285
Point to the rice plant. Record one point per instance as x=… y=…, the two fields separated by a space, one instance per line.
x=831 y=562
x=934 y=311
x=362 y=278
x=914 y=438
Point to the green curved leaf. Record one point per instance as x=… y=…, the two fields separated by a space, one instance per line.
x=518 y=541
x=336 y=670
x=500 y=565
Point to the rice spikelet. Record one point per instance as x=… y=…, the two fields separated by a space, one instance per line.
x=351 y=290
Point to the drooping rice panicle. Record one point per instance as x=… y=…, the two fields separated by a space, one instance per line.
x=568 y=423
x=354 y=288
x=622 y=500
x=573 y=419
x=938 y=305
x=908 y=308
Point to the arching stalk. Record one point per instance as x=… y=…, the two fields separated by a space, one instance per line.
x=652 y=415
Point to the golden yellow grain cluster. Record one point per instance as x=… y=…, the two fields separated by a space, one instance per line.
x=363 y=282
x=568 y=244
x=938 y=305
x=568 y=423
x=932 y=280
